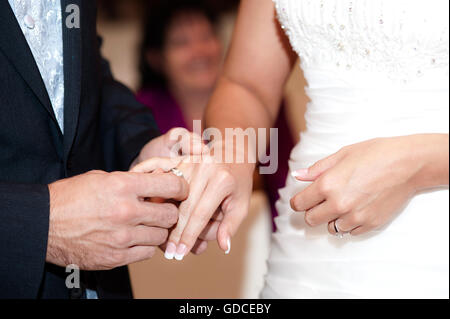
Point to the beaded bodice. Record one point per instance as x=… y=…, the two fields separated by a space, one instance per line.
x=403 y=39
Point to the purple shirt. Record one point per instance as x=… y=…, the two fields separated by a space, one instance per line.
x=166 y=111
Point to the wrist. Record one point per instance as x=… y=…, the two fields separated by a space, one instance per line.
x=53 y=252
x=430 y=152
x=229 y=152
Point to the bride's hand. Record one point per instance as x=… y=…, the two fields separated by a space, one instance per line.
x=363 y=186
x=219 y=197
x=218 y=202
x=166 y=164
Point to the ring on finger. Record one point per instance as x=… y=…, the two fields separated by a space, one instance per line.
x=177 y=172
x=337 y=230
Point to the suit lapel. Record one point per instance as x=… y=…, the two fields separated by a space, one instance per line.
x=15 y=47
x=72 y=76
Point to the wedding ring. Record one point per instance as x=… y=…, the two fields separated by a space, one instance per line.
x=177 y=172
x=336 y=228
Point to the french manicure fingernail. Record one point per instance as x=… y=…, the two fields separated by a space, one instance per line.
x=300 y=173
x=170 y=251
x=181 y=250
x=228 y=246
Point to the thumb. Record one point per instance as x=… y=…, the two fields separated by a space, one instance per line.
x=152 y=164
x=314 y=172
x=181 y=141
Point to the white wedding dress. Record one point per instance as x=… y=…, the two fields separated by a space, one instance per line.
x=375 y=68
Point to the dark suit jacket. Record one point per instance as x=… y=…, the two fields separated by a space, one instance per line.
x=105 y=128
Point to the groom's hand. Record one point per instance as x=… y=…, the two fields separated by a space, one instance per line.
x=100 y=221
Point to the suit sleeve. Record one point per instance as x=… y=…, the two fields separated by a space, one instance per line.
x=126 y=124
x=24 y=210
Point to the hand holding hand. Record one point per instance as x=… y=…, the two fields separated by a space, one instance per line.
x=217 y=204
x=100 y=220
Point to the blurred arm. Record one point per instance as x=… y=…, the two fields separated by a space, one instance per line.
x=257 y=67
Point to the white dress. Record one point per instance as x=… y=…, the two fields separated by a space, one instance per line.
x=374 y=69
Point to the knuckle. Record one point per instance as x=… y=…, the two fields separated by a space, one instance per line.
x=115 y=258
x=357 y=218
x=176 y=133
x=201 y=218
x=171 y=214
x=122 y=239
x=373 y=224
x=162 y=236
x=106 y=263
x=151 y=252
x=340 y=206
x=224 y=177
x=123 y=212
x=174 y=130
x=325 y=186
x=310 y=220
x=175 y=185
x=118 y=182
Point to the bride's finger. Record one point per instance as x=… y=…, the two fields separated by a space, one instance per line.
x=210 y=231
x=199 y=247
x=322 y=213
x=218 y=215
x=308 y=198
x=360 y=231
x=332 y=228
x=235 y=212
x=315 y=171
x=197 y=187
x=211 y=199
x=351 y=221
x=150 y=165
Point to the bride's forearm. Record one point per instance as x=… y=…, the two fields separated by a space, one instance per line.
x=432 y=152
x=233 y=105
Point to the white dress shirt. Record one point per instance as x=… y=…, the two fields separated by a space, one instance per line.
x=41 y=24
